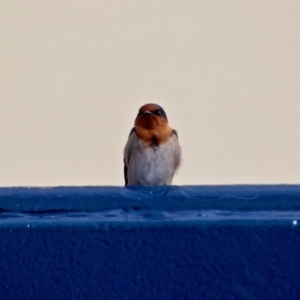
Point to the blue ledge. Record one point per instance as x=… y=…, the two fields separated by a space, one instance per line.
x=188 y=242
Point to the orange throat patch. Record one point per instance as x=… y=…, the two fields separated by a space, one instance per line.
x=154 y=137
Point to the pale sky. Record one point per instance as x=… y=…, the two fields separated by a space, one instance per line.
x=74 y=74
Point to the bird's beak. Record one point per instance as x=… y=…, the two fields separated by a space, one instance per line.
x=147 y=112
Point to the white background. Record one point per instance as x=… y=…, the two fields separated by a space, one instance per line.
x=73 y=75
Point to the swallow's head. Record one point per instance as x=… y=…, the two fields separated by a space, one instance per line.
x=151 y=124
x=151 y=116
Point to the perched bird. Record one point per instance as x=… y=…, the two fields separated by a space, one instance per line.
x=152 y=153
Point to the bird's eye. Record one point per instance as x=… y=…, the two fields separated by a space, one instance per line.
x=140 y=113
x=158 y=112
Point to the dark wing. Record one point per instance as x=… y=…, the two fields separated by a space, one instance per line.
x=125 y=173
x=174 y=132
x=125 y=166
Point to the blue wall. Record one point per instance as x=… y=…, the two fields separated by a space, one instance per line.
x=188 y=242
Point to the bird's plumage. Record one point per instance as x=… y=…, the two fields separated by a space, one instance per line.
x=152 y=153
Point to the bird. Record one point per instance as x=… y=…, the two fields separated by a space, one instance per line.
x=152 y=154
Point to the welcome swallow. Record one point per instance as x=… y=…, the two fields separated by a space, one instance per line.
x=152 y=153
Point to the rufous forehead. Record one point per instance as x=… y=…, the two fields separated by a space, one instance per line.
x=150 y=107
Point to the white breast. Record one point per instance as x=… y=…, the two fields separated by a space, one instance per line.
x=151 y=165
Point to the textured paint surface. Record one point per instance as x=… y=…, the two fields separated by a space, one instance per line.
x=235 y=242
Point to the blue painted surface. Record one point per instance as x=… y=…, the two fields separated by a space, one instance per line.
x=188 y=242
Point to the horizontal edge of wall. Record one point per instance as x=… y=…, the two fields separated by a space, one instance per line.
x=151 y=205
